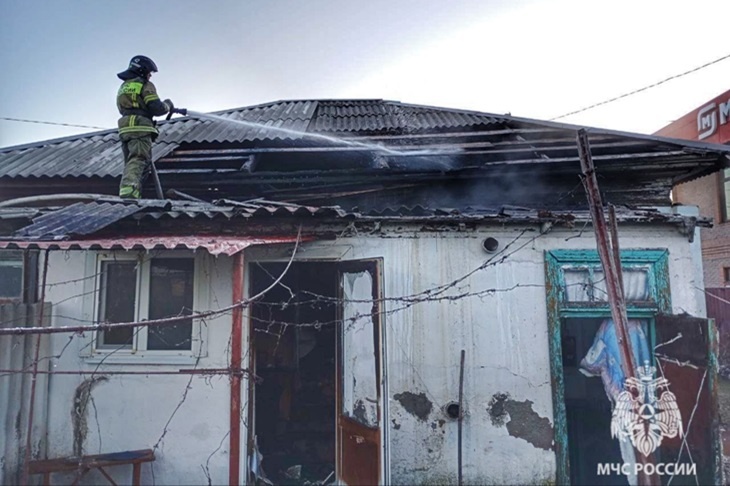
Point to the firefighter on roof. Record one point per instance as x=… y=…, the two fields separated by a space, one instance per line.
x=138 y=102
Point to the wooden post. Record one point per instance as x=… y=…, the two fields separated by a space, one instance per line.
x=608 y=250
x=234 y=461
x=613 y=284
x=36 y=358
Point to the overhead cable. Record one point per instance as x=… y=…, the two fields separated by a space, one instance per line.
x=642 y=89
x=52 y=123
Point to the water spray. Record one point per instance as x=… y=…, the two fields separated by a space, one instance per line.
x=317 y=136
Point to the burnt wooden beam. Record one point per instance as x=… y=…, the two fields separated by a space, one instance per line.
x=233 y=152
x=463 y=152
x=355 y=176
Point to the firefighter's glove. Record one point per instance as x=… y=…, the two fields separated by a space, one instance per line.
x=170 y=105
x=180 y=111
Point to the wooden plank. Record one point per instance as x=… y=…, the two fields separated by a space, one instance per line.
x=100 y=460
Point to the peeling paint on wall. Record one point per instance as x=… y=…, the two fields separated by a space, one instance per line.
x=497 y=413
x=521 y=420
x=417 y=405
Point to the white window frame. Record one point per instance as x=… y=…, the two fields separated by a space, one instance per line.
x=138 y=353
x=9 y=259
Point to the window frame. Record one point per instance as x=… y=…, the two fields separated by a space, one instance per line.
x=28 y=277
x=655 y=260
x=723 y=180
x=725 y=275
x=138 y=349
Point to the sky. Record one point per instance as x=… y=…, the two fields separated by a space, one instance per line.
x=532 y=58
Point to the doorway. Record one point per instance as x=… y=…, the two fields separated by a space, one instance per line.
x=316 y=411
x=587 y=409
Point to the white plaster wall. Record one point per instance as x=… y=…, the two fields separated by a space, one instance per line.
x=505 y=339
x=131 y=411
x=504 y=335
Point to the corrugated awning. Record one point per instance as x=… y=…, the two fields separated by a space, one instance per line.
x=215 y=245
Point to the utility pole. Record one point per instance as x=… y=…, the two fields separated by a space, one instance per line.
x=608 y=251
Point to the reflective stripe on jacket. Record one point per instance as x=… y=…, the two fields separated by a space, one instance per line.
x=138 y=102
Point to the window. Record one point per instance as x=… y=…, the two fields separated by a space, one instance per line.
x=132 y=288
x=578 y=283
x=18 y=276
x=726 y=275
x=586 y=283
x=11 y=275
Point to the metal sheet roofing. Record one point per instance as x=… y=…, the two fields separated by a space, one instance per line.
x=99 y=154
x=376 y=115
x=77 y=219
x=85 y=218
x=215 y=245
x=284 y=125
x=80 y=221
x=274 y=121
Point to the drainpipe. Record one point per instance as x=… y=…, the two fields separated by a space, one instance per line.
x=234 y=466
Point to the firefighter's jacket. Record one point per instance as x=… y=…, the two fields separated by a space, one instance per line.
x=137 y=102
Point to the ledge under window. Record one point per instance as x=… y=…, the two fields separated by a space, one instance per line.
x=128 y=358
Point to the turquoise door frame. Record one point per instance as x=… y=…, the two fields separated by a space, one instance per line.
x=656 y=262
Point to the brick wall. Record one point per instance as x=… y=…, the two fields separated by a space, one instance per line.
x=705 y=193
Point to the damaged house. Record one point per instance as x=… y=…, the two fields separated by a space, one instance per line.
x=344 y=291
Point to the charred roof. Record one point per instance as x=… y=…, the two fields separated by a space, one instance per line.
x=370 y=154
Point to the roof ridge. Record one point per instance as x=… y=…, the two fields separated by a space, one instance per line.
x=297 y=100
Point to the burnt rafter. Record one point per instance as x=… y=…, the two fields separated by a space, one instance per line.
x=357 y=145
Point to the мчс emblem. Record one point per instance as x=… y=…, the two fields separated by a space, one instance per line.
x=643 y=417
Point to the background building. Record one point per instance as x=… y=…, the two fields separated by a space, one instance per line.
x=711 y=193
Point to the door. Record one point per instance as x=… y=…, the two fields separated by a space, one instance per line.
x=686 y=355
x=359 y=418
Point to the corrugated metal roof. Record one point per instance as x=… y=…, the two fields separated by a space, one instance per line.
x=215 y=245
x=283 y=124
x=76 y=219
x=86 y=218
x=81 y=219
x=288 y=117
x=99 y=154
x=378 y=115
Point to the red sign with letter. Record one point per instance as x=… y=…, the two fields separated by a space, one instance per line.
x=708 y=123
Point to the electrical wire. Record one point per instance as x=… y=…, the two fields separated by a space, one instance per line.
x=5 y=118
x=554 y=118
x=641 y=89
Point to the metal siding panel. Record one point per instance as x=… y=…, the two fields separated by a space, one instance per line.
x=685 y=356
